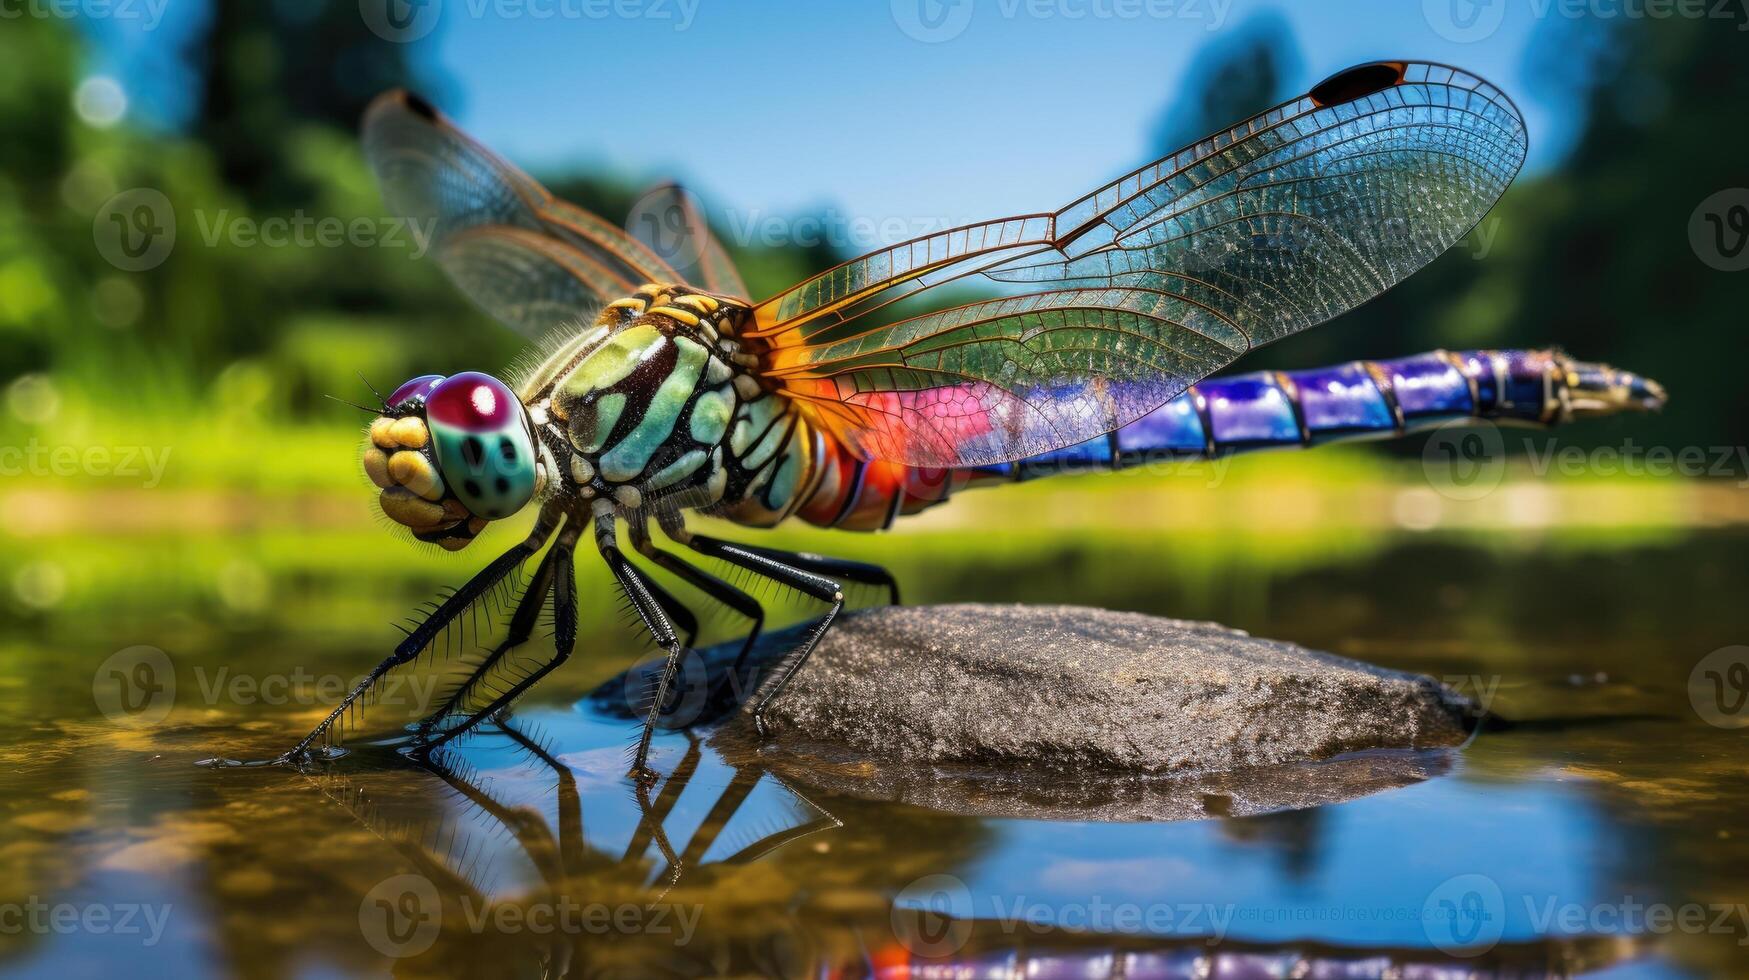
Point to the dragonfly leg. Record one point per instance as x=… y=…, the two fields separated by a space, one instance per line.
x=678 y=615
x=773 y=565
x=434 y=625
x=636 y=585
x=563 y=590
x=730 y=596
x=860 y=572
x=522 y=624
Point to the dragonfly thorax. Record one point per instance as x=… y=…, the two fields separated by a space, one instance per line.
x=640 y=408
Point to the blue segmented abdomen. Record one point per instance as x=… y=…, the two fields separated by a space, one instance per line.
x=1360 y=399
x=1264 y=410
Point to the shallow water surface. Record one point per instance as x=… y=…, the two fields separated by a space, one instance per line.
x=1595 y=828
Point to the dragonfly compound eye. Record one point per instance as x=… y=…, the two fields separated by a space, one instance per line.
x=413 y=394
x=483 y=444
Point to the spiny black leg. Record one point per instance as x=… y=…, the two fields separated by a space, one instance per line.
x=522 y=624
x=564 y=596
x=650 y=611
x=434 y=624
x=807 y=583
x=678 y=614
x=860 y=572
x=710 y=585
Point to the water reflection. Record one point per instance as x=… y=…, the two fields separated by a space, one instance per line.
x=551 y=857
x=271 y=873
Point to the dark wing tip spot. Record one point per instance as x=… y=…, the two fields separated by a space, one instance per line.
x=1357 y=82
x=418 y=106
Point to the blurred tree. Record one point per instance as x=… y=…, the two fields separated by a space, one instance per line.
x=267 y=68
x=1245 y=71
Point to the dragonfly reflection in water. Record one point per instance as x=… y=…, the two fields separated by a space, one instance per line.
x=1090 y=348
x=531 y=837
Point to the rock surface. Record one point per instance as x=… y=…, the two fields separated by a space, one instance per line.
x=1087 y=689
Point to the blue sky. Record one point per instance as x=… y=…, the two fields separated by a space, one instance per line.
x=778 y=107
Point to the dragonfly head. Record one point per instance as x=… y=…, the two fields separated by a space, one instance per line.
x=451 y=454
x=1598 y=389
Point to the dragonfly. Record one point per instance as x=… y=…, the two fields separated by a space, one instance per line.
x=1074 y=339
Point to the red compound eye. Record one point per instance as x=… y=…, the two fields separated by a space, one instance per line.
x=472 y=402
x=419 y=387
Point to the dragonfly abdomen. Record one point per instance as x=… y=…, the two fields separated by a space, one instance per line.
x=1263 y=410
x=1357 y=400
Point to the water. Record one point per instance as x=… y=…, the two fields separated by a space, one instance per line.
x=1601 y=833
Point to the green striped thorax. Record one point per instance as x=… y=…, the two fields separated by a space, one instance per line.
x=644 y=400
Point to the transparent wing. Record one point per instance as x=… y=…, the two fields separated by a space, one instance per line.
x=525 y=257
x=668 y=220
x=1117 y=303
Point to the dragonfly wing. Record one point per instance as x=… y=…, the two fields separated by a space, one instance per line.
x=668 y=220
x=527 y=258
x=1122 y=300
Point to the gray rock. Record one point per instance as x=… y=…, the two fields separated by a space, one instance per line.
x=1072 y=688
